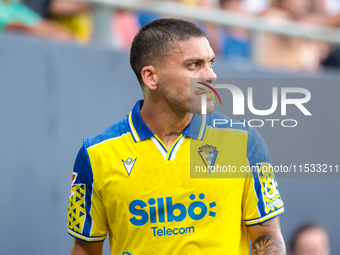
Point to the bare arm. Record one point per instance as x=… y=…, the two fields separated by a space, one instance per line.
x=68 y=7
x=84 y=248
x=266 y=238
x=44 y=29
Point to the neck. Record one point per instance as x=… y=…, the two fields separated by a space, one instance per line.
x=165 y=121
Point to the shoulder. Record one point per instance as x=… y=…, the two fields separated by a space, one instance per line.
x=114 y=131
x=217 y=120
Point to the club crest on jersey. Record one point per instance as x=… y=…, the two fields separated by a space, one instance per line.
x=208 y=154
x=128 y=164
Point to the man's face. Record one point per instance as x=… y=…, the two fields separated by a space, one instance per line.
x=298 y=7
x=189 y=59
x=312 y=242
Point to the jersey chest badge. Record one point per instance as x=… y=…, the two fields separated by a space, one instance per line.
x=129 y=164
x=208 y=154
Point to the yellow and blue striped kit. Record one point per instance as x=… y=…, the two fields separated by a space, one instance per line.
x=127 y=184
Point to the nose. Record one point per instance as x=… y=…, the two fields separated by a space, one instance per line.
x=208 y=75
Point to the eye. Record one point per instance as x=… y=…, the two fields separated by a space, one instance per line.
x=194 y=65
x=211 y=63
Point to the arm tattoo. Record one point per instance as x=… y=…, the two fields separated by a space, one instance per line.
x=268 y=245
x=173 y=133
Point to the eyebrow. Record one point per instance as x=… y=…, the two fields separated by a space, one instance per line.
x=196 y=60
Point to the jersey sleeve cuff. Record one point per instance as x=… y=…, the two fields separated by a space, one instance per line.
x=264 y=218
x=86 y=238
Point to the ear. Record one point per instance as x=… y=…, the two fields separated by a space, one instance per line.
x=150 y=77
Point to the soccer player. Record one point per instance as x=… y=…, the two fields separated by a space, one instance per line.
x=132 y=181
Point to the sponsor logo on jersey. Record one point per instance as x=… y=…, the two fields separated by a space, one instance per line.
x=208 y=154
x=164 y=210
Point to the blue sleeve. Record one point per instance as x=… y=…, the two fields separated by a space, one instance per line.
x=82 y=199
x=257 y=150
x=262 y=198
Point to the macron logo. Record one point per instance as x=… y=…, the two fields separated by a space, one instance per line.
x=128 y=164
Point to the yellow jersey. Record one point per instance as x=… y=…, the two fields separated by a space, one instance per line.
x=150 y=199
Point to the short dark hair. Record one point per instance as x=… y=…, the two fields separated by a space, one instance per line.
x=156 y=39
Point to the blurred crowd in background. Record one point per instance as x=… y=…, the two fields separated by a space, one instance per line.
x=66 y=20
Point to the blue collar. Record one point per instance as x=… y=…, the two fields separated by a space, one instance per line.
x=140 y=131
